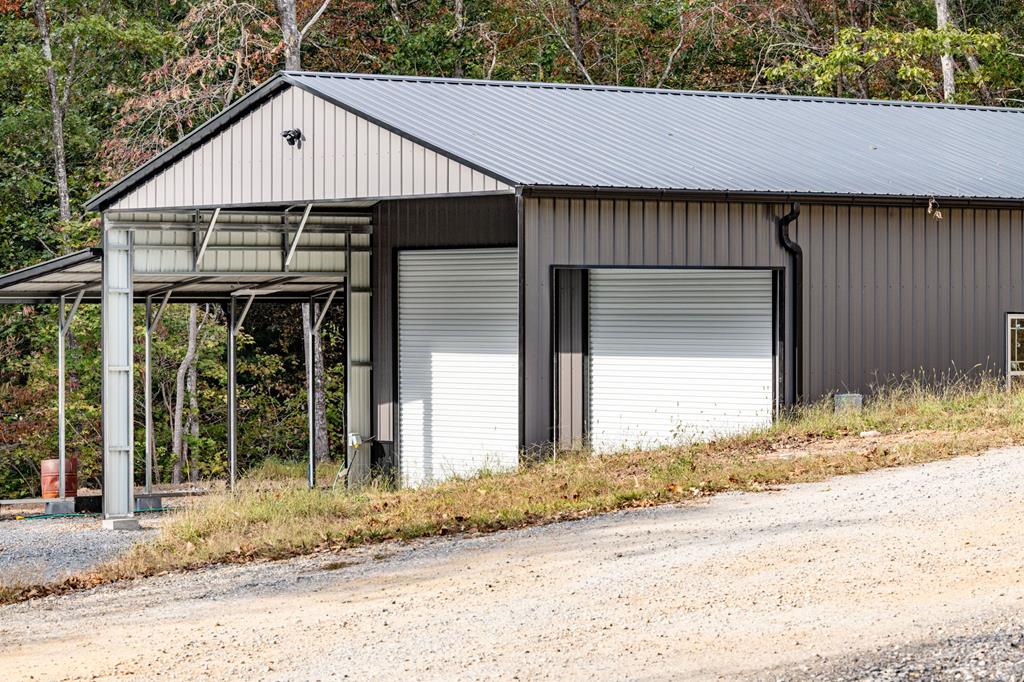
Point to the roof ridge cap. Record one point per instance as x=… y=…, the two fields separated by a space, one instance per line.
x=592 y=87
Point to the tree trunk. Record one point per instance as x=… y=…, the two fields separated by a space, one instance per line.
x=57 y=113
x=321 y=443
x=460 y=26
x=948 y=66
x=576 y=27
x=290 y=34
x=178 y=446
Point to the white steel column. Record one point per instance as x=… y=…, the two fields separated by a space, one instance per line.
x=118 y=427
x=357 y=343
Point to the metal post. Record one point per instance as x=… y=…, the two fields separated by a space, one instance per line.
x=307 y=324
x=61 y=452
x=148 y=391
x=118 y=424
x=232 y=417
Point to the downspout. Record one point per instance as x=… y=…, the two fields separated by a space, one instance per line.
x=796 y=260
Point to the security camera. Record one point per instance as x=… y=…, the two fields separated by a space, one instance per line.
x=292 y=136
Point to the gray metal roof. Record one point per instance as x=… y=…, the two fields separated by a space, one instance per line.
x=555 y=135
x=596 y=136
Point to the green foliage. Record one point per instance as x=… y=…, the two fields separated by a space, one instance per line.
x=139 y=75
x=898 y=64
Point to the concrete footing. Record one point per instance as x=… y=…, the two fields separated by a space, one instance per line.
x=129 y=523
x=65 y=506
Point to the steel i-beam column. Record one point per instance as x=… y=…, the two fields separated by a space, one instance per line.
x=307 y=323
x=118 y=428
x=149 y=393
x=61 y=433
x=232 y=398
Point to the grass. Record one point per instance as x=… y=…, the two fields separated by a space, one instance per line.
x=273 y=516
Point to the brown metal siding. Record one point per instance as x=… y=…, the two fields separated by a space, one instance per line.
x=888 y=291
x=577 y=232
x=416 y=224
x=570 y=340
x=892 y=292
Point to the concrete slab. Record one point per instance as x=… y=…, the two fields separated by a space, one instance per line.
x=130 y=523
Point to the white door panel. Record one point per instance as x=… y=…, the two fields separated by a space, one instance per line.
x=458 y=367
x=678 y=355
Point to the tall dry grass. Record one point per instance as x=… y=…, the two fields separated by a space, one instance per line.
x=274 y=516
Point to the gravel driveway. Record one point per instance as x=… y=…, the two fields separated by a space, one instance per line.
x=859 y=577
x=54 y=548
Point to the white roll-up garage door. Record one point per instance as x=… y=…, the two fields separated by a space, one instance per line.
x=458 y=362
x=678 y=355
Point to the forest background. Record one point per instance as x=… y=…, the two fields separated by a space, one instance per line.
x=90 y=89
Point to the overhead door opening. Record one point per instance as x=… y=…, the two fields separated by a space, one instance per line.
x=679 y=355
x=458 y=362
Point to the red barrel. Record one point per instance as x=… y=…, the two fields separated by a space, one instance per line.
x=50 y=474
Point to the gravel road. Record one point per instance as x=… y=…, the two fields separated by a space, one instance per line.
x=54 y=548
x=910 y=573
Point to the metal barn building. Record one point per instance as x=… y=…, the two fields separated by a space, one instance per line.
x=527 y=264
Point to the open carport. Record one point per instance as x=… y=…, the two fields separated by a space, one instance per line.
x=535 y=265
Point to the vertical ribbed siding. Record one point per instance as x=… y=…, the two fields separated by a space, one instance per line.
x=342 y=156
x=888 y=291
x=894 y=291
x=595 y=232
x=418 y=224
x=570 y=338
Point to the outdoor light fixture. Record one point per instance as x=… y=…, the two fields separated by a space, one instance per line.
x=292 y=136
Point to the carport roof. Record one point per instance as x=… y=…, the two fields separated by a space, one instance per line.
x=600 y=137
x=82 y=271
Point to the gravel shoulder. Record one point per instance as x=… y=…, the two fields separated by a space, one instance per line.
x=857 y=577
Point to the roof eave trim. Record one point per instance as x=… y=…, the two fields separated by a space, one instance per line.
x=290 y=78
x=205 y=131
x=49 y=267
x=595 y=192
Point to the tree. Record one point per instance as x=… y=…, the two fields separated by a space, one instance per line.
x=948 y=65
x=58 y=104
x=290 y=32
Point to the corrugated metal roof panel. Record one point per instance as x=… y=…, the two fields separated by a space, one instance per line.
x=595 y=136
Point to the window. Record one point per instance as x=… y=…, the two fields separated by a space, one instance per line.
x=1014 y=347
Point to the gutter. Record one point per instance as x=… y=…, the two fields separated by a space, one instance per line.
x=796 y=260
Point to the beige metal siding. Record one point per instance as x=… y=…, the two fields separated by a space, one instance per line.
x=360 y=413
x=888 y=291
x=342 y=156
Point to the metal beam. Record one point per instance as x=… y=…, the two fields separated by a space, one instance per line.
x=160 y=310
x=206 y=238
x=323 y=311
x=61 y=449
x=307 y=333
x=232 y=398
x=148 y=387
x=298 y=234
x=245 y=311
